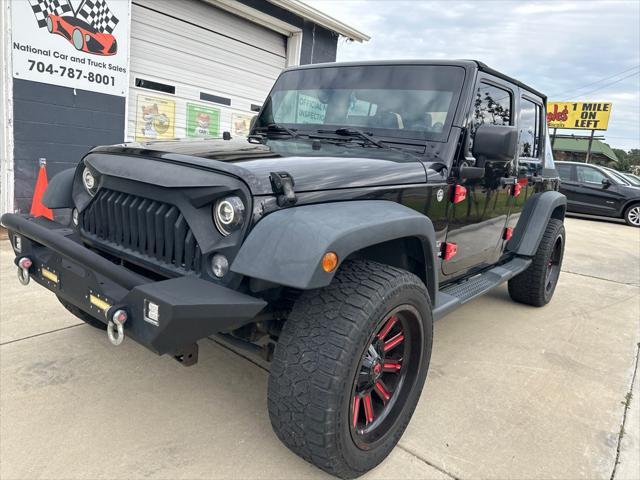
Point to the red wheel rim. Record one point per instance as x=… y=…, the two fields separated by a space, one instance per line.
x=385 y=375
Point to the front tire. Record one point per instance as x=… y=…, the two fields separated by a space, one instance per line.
x=536 y=285
x=632 y=215
x=349 y=367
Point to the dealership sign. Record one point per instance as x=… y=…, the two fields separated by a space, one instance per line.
x=81 y=44
x=578 y=115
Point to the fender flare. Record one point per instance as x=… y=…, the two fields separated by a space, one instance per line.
x=58 y=192
x=287 y=246
x=535 y=216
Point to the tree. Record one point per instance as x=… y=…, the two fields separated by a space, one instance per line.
x=627 y=159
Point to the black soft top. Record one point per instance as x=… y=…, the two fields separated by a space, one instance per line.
x=467 y=64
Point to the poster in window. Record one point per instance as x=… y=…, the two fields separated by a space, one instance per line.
x=202 y=121
x=240 y=124
x=155 y=118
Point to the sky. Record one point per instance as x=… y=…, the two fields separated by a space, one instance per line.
x=580 y=51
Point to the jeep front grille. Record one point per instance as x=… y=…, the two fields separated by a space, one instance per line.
x=143 y=226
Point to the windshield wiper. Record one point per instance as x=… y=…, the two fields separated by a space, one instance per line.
x=276 y=128
x=355 y=133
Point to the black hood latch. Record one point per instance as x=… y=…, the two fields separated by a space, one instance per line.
x=282 y=184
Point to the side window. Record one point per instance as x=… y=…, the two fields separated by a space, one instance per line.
x=529 y=145
x=589 y=175
x=492 y=105
x=564 y=171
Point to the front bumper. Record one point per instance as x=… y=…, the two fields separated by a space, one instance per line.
x=189 y=308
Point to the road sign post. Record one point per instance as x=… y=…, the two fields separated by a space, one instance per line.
x=586 y=160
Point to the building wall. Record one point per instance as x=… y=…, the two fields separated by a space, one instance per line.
x=61 y=125
x=318 y=44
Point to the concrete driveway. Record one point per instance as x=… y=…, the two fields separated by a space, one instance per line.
x=513 y=391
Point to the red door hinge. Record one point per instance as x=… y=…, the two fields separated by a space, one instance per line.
x=508 y=233
x=449 y=250
x=515 y=189
x=458 y=194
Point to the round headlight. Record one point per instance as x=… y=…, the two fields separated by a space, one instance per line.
x=89 y=181
x=228 y=215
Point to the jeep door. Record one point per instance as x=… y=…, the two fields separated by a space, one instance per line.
x=595 y=197
x=531 y=148
x=476 y=225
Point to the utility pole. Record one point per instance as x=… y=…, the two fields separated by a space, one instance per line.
x=589 y=147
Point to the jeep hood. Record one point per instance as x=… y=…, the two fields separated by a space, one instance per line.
x=253 y=164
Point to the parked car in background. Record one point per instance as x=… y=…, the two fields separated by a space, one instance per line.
x=596 y=190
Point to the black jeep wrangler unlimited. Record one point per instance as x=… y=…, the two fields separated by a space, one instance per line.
x=369 y=200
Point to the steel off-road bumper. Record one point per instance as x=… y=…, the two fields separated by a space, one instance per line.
x=188 y=308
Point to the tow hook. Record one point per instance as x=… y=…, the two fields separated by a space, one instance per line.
x=115 y=327
x=24 y=264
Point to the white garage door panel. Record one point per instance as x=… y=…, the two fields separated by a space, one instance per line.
x=203 y=14
x=204 y=55
x=194 y=73
x=190 y=36
x=198 y=48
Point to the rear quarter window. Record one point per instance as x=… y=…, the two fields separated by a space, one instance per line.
x=564 y=171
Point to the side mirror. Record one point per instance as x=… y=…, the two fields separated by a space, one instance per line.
x=495 y=143
x=606 y=183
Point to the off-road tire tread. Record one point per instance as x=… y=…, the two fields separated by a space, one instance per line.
x=529 y=286
x=316 y=346
x=82 y=315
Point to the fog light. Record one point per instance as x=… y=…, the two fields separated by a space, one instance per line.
x=151 y=312
x=74 y=216
x=219 y=265
x=17 y=243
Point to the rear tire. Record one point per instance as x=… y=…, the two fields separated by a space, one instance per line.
x=82 y=315
x=632 y=215
x=536 y=285
x=323 y=370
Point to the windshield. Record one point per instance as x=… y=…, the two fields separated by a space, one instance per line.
x=617 y=176
x=406 y=101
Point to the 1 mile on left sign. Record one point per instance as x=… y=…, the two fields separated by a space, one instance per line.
x=79 y=44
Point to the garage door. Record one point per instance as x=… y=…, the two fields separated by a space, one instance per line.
x=197 y=70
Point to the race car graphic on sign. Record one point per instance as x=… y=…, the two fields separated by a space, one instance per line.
x=89 y=28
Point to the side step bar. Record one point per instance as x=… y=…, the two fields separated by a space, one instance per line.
x=456 y=295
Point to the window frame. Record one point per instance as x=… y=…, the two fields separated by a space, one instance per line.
x=496 y=83
x=572 y=172
x=540 y=127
